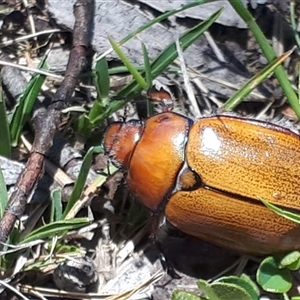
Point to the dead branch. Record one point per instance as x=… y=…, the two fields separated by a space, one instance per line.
x=46 y=123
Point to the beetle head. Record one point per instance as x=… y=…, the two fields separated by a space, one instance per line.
x=120 y=139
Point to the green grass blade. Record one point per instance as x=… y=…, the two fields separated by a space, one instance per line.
x=123 y=70
x=5 y=147
x=238 y=97
x=55 y=228
x=25 y=104
x=112 y=107
x=101 y=78
x=131 y=68
x=170 y=53
x=56 y=207
x=147 y=64
x=102 y=83
x=80 y=182
x=148 y=76
x=294 y=24
x=269 y=53
x=282 y=212
x=3 y=194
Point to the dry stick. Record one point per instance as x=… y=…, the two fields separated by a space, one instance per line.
x=47 y=123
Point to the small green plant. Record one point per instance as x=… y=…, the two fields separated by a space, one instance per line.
x=12 y=124
x=25 y=104
x=225 y=288
x=273 y=276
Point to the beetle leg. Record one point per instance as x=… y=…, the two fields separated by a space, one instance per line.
x=156 y=223
x=167 y=266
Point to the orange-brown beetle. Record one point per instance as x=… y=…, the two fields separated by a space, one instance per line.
x=207 y=176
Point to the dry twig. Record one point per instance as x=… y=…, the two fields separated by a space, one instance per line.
x=46 y=123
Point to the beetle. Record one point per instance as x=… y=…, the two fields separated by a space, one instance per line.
x=207 y=176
